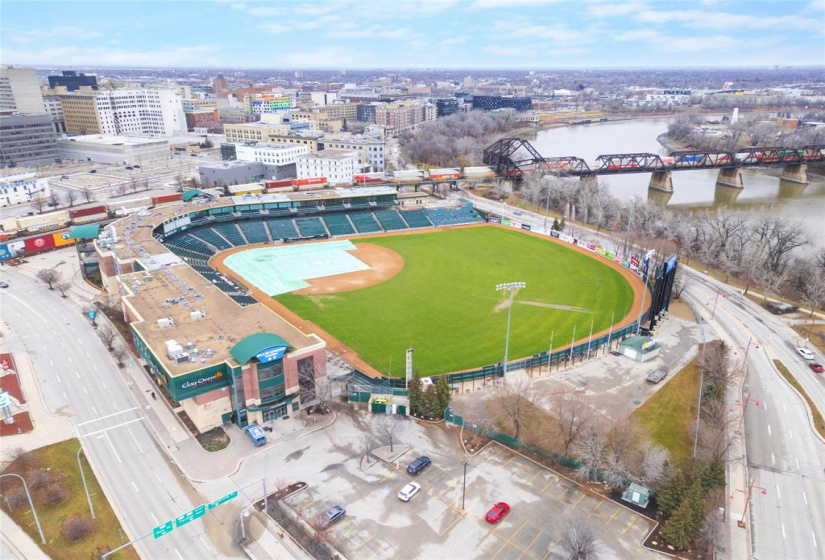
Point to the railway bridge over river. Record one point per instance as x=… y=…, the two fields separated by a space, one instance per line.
x=514 y=158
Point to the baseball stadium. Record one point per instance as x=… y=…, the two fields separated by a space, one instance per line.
x=233 y=302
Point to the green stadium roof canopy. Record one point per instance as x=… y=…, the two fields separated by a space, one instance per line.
x=190 y=194
x=90 y=231
x=249 y=347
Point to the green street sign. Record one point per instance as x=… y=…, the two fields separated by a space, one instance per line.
x=222 y=500
x=190 y=516
x=161 y=530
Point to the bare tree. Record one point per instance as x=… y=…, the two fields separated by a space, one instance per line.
x=771 y=281
x=77 y=528
x=571 y=417
x=516 y=399
x=579 y=539
x=63 y=287
x=813 y=290
x=49 y=276
x=107 y=334
x=680 y=282
x=653 y=469
x=88 y=195
x=388 y=428
x=70 y=196
x=306 y=381
x=119 y=353
x=39 y=205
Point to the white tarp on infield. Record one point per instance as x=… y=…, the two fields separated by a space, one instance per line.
x=278 y=270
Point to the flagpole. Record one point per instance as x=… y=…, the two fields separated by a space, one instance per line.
x=550 y=351
x=572 y=342
x=610 y=332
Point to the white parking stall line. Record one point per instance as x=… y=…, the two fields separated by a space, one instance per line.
x=65 y=396
x=805 y=497
x=135 y=487
x=58 y=378
x=108 y=416
x=94 y=410
x=85 y=390
x=112 y=427
x=790 y=432
x=103 y=384
x=88 y=355
x=77 y=374
x=137 y=445
x=769 y=429
x=178 y=553
x=157 y=522
x=783 y=531
x=778 y=493
x=95 y=366
x=813 y=536
x=70 y=359
x=797 y=462
x=51 y=363
x=766 y=405
x=773 y=458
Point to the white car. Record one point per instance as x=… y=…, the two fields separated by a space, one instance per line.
x=805 y=353
x=409 y=491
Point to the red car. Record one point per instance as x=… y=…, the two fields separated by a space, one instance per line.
x=497 y=513
x=816 y=367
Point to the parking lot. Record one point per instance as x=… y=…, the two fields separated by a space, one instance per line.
x=434 y=525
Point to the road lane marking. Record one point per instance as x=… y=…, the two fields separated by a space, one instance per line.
x=157 y=522
x=58 y=378
x=85 y=390
x=111 y=428
x=814 y=538
x=765 y=405
x=785 y=408
x=156 y=476
x=95 y=366
x=178 y=553
x=88 y=355
x=797 y=462
x=769 y=429
x=70 y=359
x=615 y=513
x=805 y=497
x=778 y=494
x=204 y=544
x=783 y=531
x=107 y=416
x=51 y=363
x=94 y=410
x=111 y=445
x=137 y=445
x=790 y=432
x=135 y=486
x=103 y=384
x=773 y=458
x=65 y=396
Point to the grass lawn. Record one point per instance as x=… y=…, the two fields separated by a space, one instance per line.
x=444 y=301
x=817 y=333
x=60 y=461
x=819 y=421
x=669 y=415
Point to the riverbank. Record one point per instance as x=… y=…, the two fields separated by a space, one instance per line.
x=669 y=143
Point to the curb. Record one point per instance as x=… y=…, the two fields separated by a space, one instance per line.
x=808 y=410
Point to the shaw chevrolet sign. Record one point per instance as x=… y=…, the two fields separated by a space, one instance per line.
x=271 y=354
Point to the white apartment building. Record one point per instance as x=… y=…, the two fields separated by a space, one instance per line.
x=370 y=149
x=55 y=109
x=20 y=91
x=142 y=112
x=271 y=154
x=338 y=166
x=21 y=186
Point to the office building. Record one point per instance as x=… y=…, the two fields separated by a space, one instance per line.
x=254 y=132
x=312 y=139
x=370 y=150
x=267 y=103
x=228 y=173
x=235 y=115
x=142 y=112
x=122 y=150
x=189 y=103
x=21 y=186
x=27 y=139
x=490 y=102
x=220 y=85
x=271 y=154
x=338 y=166
x=365 y=112
x=20 y=91
x=73 y=81
x=55 y=108
x=323 y=97
x=446 y=106
x=202 y=119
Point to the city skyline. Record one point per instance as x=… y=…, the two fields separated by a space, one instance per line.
x=414 y=34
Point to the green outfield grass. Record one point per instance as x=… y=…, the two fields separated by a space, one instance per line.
x=443 y=303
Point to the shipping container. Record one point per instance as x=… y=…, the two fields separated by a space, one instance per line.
x=91 y=218
x=407 y=175
x=43 y=221
x=89 y=211
x=361 y=180
x=9 y=225
x=443 y=174
x=309 y=181
x=248 y=188
x=120 y=205
x=4 y=252
x=62 y=238
x=278 y=184
x=479 y=172
x=165 y=198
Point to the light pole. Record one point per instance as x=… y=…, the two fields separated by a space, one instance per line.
x=464 y=486
x=86 y=488
x=510 y=287
x=642 y=308
x=546 y=209
x=34 y=512
x=629 y=223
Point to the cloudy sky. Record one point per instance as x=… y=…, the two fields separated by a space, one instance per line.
x=414 y=33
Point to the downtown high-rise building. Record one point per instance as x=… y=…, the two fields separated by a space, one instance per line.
x=140 y=112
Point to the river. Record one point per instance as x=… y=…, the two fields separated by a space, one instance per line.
x=692 y=189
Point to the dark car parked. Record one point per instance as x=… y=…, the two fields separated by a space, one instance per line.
x=418 y=466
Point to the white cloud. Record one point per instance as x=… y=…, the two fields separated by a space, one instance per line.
x=728 y=21
x=610 y=9
x=373 y=32
x=510 y=51
x=522 y=28
x=263 y=11
x=638 y=35
x=332 y=57
x=482 y=4
x=457 y=40
x=26 y=35
x=195 y=55
x=668 y=42
x=274 y=28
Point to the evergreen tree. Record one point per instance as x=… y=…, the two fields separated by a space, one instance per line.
x=696 y=498
x=415 y=393
x=555 y=226
x=680 y=529
x=562 y=224
x=431 y=405
x=444 y=393
x=712 y=475
x=670 y=495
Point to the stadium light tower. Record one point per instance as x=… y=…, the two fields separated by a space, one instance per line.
x=510 y=287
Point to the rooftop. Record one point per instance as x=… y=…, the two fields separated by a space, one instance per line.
x=331 y=154
x=112 y=140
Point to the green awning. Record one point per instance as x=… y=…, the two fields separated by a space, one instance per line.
x=190 y=194
x=89 y=231
x=249 y=347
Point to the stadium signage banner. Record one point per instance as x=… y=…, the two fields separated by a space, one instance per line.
x=195 y=383
x=526 y=226
x=506 y=222
x=271 y=354
x=495 y=220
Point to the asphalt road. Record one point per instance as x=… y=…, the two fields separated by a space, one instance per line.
x=76 y=373
x=785 y=458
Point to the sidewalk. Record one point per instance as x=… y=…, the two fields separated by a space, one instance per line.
x=15 y=543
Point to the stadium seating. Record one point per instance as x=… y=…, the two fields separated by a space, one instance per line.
x=310 y=226
x=210 y=236
x=416 y=219
x=364 y=222
x=281 y=228
x=254 y=231
x=390 y=220
x=338 y=224
x=453 y=216
x=230 y=233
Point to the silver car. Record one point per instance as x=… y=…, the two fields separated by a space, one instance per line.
x=656 y=375
x=331 y=516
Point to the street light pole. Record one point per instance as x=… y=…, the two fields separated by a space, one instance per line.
x=546 y=210
x=85 y=487
x=34 y=512
x=511 y=287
